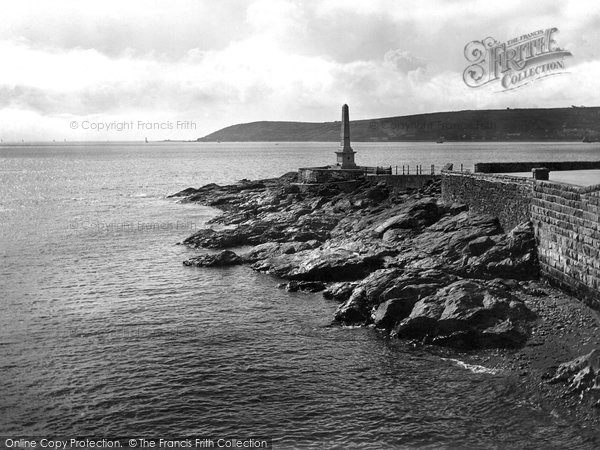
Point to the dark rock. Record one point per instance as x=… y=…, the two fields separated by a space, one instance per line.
x=503 y=334
x=354 y=310
x=377 y=193
x=513 y=256
x=390 y=312
x=307 y=286
x=478 y=246
x=185 y=193
x=582 y=375
x=468 y=313
x=221 y=259
x=330 y=264
x=418 y=213
x=387 y=284
x=340 y=291
x=396 y=235
x=364 y=295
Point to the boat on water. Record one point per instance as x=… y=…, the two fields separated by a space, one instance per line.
x=440 y=140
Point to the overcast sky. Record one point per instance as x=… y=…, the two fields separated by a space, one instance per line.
x=217 y=63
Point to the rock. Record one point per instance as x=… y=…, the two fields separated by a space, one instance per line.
x=330 y=264
x=503 y=334
x=395 y=235
x=478 y=246
x=364 y=295
x=186 y=192
x=512 y=256
x=354 y=310
x=307 y=286
x=404 y=220
x=582 y=375
x=377 y=193
x=340 y=291
x=468 y=313
x=387 y=284
x=418 y=213
x=209 y=238
x=221 y=259
x=263 y=251
x=390 y=312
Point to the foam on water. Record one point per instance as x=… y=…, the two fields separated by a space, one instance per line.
x=472 y=367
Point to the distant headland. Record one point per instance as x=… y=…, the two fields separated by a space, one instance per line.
x=528 y=124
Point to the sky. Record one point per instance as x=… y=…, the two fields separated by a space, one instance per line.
x=121 y=70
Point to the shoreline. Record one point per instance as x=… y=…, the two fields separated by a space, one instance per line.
x=358 y=247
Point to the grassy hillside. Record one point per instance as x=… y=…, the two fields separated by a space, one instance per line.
x=563 y=124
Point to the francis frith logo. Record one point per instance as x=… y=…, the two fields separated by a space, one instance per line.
x=516 y=62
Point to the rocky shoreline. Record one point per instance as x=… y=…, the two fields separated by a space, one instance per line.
x=415 y=268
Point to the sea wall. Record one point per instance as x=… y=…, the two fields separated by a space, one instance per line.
x=512 y=167
x=406 y=181
x=566 y=220
x=503 y=196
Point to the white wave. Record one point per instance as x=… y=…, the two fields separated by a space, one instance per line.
x=475 y=368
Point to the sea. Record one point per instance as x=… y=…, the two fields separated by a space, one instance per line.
x=104 y=333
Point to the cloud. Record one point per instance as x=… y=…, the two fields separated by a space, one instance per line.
x=220 y=63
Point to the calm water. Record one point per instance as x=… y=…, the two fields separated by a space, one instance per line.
x=104 y=333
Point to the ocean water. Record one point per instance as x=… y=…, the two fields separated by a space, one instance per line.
x=104 y=333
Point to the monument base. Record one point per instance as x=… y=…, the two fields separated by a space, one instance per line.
x=345 y=159
x=329 y=174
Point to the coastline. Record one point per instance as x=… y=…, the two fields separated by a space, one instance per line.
x=349 y=241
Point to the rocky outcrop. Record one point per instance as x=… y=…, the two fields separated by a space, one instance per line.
x=582 y=376
x=221 y=259
x=468 y=313
x=402 y=261
x=307 y=286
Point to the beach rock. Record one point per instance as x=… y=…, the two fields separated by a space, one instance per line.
x=413 y=214
x=581 y=375
x=387 y=284
x=209 y=238
x=340 y=291
x=507 y=256
x=364 y=295
x=328 y=264
x=221 y=259
x=376 y=193
x=354 y=310
x=272 y=249
x=478 y=246
x=468 y=313
x=307 y=286
x=390 y=312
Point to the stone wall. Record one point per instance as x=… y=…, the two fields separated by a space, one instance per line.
x=327 y=175
x=566 y=219
x=512 y=167
x=405 y=181
x=503 y=196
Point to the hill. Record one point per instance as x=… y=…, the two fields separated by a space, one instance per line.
x=530 y=124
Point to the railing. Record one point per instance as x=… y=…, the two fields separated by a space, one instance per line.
x=407 y=169
x=378 y=170
x=400 y=170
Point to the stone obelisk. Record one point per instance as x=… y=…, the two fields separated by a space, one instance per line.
x=345 y=156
